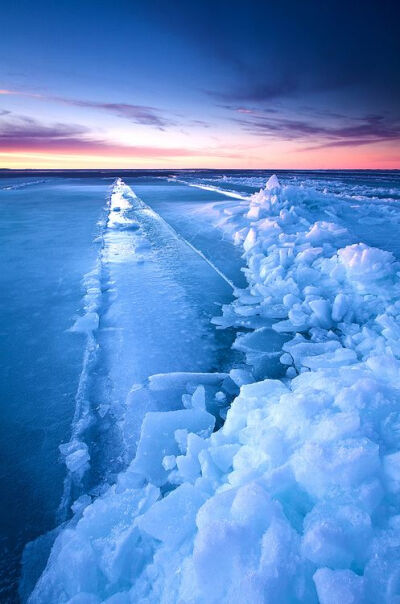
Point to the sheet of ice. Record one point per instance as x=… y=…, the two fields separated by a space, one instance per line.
x=192 y=212
x=295 y=498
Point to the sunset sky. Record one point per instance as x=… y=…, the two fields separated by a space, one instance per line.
x=217 y=84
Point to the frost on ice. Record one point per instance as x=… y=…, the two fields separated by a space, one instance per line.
x=296 y=497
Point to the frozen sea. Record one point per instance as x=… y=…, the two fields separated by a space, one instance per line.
x=89 y=310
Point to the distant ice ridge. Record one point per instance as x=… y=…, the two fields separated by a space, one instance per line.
x=208 y=187
x=114 y=247
x=22 y=185
x=296 y=497
x=119 y=205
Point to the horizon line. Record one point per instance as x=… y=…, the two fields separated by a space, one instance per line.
x=198 y=169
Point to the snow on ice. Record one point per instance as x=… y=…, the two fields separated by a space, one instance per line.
x=296 y=497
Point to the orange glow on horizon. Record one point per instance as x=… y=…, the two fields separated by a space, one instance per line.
x=285 y=157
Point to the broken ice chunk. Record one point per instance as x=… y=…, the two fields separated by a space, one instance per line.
x=157 y=439
x=173 y=518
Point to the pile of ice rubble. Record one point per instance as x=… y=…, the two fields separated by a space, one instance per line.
x=296 y=497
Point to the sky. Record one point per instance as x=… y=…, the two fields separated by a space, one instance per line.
x=200 y=84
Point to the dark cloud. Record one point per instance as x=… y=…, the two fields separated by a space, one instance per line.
x=139 y=114
x=20 y=133
x=19 y=126
x=341 y=131
x=247 y=110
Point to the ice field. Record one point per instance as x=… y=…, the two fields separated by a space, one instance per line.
x=201 y=387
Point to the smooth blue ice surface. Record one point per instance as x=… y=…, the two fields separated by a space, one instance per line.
x=46 y=245
x=191 y=211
